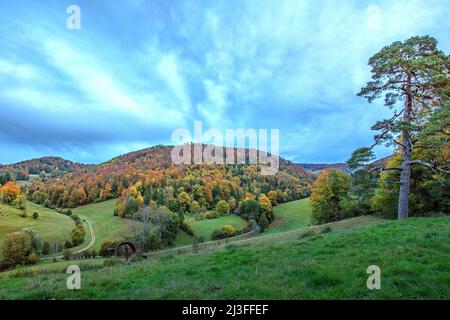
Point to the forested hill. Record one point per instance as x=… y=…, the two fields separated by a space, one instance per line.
x=152 y=170
x=53 y=166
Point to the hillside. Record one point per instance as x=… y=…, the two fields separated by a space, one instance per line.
x=107 y=227
x=50 y=167
x=413 y=256
x=153 y=168
x=51 y=225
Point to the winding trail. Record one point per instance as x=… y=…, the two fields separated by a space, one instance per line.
x=91 y=243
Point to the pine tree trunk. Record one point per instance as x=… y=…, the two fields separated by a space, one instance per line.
x=405 y=176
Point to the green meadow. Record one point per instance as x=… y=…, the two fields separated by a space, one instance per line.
x=323 y=263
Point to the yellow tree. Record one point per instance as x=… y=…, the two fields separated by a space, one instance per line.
x=329 y=190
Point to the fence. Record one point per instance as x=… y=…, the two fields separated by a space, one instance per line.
x=196 y=247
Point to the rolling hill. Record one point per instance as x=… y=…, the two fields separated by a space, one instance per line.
x=50 y=167
x=410 y=253
x=153 y=168
x=51 y=225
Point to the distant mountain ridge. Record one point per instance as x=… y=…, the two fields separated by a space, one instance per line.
x=316 y=167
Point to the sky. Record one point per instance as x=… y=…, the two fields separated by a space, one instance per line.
x=135 y=72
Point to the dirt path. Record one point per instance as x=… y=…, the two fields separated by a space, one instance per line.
x=91 y=243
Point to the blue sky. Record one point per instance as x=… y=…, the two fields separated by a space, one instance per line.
x=134 y=73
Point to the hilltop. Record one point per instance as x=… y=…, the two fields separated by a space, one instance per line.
x=153 y=168
x=49 y=167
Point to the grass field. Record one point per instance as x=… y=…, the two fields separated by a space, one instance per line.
x=205 y=228
x=290 y=216
x=413 y=256
x=28 y=182
x=105 y=225
x=51 y=225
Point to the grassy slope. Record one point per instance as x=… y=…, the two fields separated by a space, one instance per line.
x=51 y=225
x=413 y=256
x=105 y=225
x=290 y=216
x=205 y=228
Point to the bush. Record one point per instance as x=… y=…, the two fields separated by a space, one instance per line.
x=186 y=227
x=78 y=234
x=223 y=207
x=17 y=246
x=32 y=258
x=68 y=244
x=211 y=215
x=249 y=209
x=36 y=241
x=227 y=231
x=104 y=249
x=47 y=203
x=263 y=222
x=67 y=212
x=35 y=215
x=46 y=248
x=23 y=213
x=76 y=219
x=199 y=216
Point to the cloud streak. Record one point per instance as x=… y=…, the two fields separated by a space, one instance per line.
x=134 y=74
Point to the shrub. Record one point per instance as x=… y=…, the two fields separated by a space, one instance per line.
x=68 y=244
x=35 y=215
x=223 y=207
x=104 y=248
x=32 y=258
x=23 y=213
x=229 y=230
x=46 y=248
x=76 y=219
x=195 y=207
x=249 y=209
x=17 y=247
x=199 y=216
x=211 y=215
x=226 y=231
x=67 y=212
x=36 y=241
x=47 y=203
x=78 y=234
x=20 y=202
x=263 y=222
x=186 y=227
